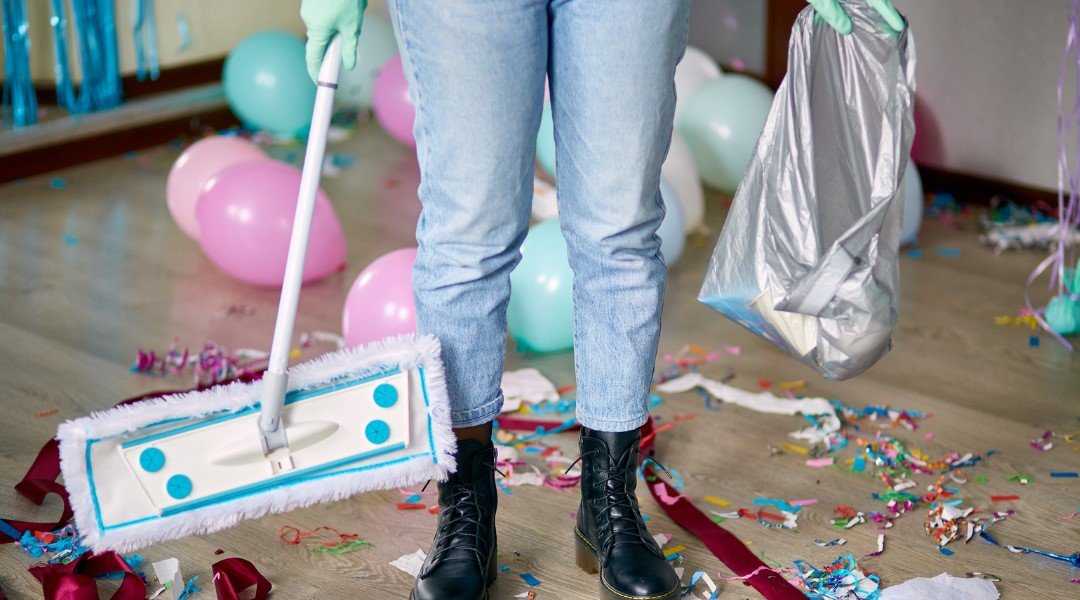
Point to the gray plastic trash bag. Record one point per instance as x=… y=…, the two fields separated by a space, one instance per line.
x=808 y=257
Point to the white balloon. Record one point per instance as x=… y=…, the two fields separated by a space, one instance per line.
x=672 y=231
x=695 y=68
x=911 y=217
x=545 y=205
x=375 y=46
x=679 y=171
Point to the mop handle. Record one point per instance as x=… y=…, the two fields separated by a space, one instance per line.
x=275 y=380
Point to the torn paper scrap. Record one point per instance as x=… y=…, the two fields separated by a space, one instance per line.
x=942 y=587
x=526 y=386
x=410 y=563
x=168 y=575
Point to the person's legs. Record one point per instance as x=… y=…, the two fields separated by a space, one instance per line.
x=611 y=70
x=476 y=75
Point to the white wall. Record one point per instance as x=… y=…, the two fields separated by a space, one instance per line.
x=987 y=85
x=215 y=27
x=732 y=31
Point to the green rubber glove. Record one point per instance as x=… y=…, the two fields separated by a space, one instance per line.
x=324 y=18
x=831 y=12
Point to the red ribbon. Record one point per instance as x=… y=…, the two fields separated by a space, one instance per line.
x=234 y=575
x=75 y=580
x=39 y=482
x=40 y=478
x=718 y=540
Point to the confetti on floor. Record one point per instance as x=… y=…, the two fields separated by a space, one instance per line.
x=530 y=579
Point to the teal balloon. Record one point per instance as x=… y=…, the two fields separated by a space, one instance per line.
x=267 y=85
x=376 y=46
x=721 y=122
x=541 y=311
x=545 y=141
x=1063 y=315
x=672 y=230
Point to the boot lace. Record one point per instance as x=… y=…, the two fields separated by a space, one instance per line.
x=460 y=523
x=620 y=518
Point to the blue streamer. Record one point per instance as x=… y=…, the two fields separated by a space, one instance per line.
x=9 y=531
x=112 y=93
x=146 y=44
x=65 y=87
x=95 y=27
x=18 y=94
x=184 y=31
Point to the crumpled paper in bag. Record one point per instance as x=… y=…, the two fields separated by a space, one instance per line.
x=808 y=257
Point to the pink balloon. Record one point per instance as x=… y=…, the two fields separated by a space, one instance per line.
x=380 y=302
x=245 y=216
x=391 y=103
x=195 y=166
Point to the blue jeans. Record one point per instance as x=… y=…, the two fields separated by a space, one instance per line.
x=476 y=72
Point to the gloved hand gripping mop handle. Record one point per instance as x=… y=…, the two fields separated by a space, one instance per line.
x=275 y=380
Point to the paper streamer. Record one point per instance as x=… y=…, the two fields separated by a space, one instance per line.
x=1068 y=209
x=95 y=26
x=765 y=402
x=19 y=97
x=146 y=42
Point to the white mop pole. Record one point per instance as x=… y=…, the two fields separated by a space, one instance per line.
x=275 y=380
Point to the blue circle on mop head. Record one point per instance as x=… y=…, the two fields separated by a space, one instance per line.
x=152 y=460
x=377 y=431
x=386 y=395
x=178 y=487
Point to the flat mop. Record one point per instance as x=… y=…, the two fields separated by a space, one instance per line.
x=359 y=419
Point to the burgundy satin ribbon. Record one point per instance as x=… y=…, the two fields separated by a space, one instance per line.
x=234 y=575
x=40 y=478
x=76 y=580
x=39 y=482
x=718 y=540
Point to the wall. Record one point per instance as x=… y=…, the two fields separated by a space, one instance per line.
x=215 y=27
x=732 y=31
x=987 y=77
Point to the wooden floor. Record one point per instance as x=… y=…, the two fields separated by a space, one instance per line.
x=92 y=272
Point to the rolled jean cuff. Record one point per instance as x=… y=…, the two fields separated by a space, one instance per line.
x=479 y=415
x=612 y=426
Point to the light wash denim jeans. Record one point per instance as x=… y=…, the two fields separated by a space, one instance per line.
x=476 y=72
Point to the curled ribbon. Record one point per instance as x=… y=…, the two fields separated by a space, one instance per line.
x=234 y=575
x=75 y=580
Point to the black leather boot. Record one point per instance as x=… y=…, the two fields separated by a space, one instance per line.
x=610 y=534
x=461 y=563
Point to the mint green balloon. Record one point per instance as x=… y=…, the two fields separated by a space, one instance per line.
x=1063 y=315
x=721 y=122
x=541 y=311
x=375 y=46
x=267 y=85
x=545 y=141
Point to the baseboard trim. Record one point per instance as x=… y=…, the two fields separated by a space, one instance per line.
x=169 y=79
x=43 y=159
x=979 y=189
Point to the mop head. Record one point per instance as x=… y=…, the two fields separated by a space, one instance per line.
x=359 y=419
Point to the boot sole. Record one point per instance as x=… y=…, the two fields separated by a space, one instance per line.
x=587 y=561
x=492 y=575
